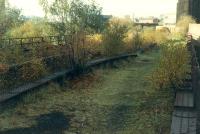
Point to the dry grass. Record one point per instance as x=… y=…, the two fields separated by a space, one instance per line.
x=172 y=67
x=183 y=24
x=109 y=101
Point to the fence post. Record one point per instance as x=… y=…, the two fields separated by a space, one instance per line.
x=9 y=41
x=58 y=40
x=32 y=41
x=50 y=39
x=42 y=39
x=21 y=42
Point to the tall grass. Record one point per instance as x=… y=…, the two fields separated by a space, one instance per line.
x=113 y=36
x=33 y=70
x=183 y=24
x=120 y=36
x=32 y=28
x=172 y=67
x=173 y=64
x=94 y=46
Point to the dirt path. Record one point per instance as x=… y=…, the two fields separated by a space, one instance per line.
x=111 y=101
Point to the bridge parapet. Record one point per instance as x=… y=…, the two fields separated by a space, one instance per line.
x=194 y=31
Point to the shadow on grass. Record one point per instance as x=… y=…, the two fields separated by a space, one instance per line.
x=53 y=123
x=119 y=117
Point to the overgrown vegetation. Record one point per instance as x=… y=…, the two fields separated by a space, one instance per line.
x=32 y=28
x=32 y=71
x=83 y=37
x=108 y=101
x=10 y=18
x=173 y=66
x=183 y=24
x=73 y=16
x=81 y=34
x=113 y=36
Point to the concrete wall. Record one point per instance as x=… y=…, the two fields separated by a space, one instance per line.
x=167 y=27
x=194 y=30
x=182 y=8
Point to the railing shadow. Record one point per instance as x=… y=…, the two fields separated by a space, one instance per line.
x=53 y=123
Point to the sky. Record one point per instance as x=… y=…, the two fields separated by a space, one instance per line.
x=138 y=8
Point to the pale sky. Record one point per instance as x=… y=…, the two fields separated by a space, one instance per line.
x=110 y=7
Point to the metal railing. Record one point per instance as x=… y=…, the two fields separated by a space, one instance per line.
x=53 y=52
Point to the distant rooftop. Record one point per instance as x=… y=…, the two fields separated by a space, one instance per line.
x=147 y=20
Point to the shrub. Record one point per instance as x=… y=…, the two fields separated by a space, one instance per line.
x=2 y=57
x=32 y=29
x=129 y=41
x=46 y=50
x=137 y=39
x=32 y=70
x=13 y=55
x=113 y=37
x=93 y=46
x=148 y=37
x=161 y=37
x=172 y=67
x=133 y=41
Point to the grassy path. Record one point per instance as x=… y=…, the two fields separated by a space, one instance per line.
x=111 y=101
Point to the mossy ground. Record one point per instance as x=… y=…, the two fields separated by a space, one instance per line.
x=108 y=101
